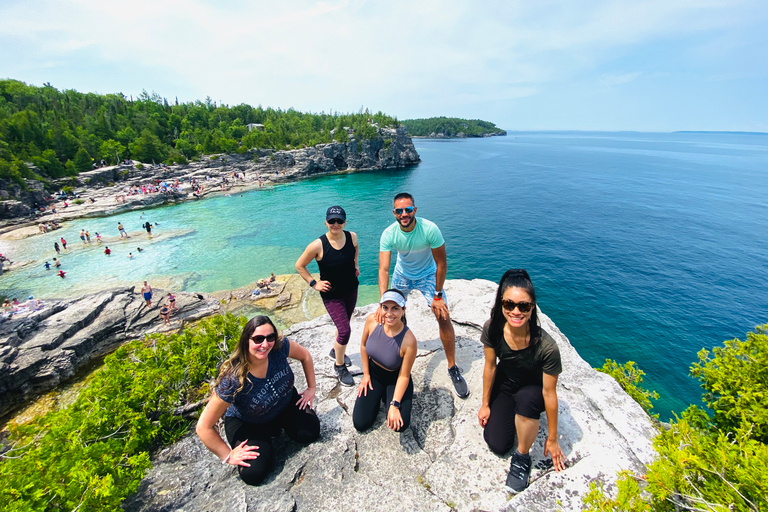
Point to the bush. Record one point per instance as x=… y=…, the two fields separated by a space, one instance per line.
x=708 y=463
x=140 y=166
x=630 y=378
x=92 y=454
x=78 y=201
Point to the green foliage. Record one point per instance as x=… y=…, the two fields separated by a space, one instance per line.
x=717 y=463
x=630 y=378
x=92 y=454
x=449 y=126
x=735 y=380
x=78 y=201
x=59 y=130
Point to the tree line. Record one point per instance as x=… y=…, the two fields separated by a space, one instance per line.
x=450 y=127
x=47 y=134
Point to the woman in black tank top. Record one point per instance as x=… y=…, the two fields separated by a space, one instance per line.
x=336 y=254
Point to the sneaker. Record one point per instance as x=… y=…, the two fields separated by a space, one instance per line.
x=519 y=471
x=344 y=376
x=332 y=355
x=459 y=384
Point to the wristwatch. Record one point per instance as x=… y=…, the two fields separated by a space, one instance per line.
x=312 y=283
x=439 y=295
x=395 y=403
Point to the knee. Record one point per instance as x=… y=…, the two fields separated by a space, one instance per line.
x=310 y=432
x=361 y=424
x=345 y=332
x=495 y=444
x=259 y=468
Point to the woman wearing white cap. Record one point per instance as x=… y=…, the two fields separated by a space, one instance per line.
x=387 y=352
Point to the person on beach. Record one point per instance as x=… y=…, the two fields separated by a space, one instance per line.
x=82 y=235
x=121 y=229
x=87 y=237
x=146 y=292
x=98 y=238
x=56 y=246
x=139 y=249
x=56 y=263
x=421 y=265
x=522 y=363
x=130 y=255
x=64 y=243
x=47 y=265
x=61 y=274
x=148 y=227
x=255 y=393
x=172 y=302
x=107 y=251
x=387 y=352
x=165 y=314
x=336 y=253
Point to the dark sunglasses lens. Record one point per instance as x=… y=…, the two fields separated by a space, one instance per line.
x=509 y=305
x=407 y=209
x=335 y=221
x=259 y=338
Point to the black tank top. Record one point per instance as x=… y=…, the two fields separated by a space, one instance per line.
x=338 y=267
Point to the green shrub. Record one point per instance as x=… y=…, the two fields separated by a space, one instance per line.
x=630 y=377
x=78 y=201
x=140 y=166
x=92 y=454
x=214 y=157
x=67 y=189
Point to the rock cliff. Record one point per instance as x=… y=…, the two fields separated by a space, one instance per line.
x=441 y=462
x=41 y=349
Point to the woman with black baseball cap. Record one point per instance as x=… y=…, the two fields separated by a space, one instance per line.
x=336 y=254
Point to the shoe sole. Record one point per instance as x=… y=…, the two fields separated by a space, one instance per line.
x=347 y=385
x=513 y=491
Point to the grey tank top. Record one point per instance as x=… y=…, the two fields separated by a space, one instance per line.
x=385 y=350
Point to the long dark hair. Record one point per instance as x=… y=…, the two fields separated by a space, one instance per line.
x=237 y=363
x=513 y=278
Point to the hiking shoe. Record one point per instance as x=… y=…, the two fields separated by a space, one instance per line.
x=332 y=355
x=519 y=471
x=344 y=376
x=459 y=384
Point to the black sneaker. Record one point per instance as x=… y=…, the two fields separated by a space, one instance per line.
x=459 y=384
x=347 y=360
x=344 y=376
x=519 y=471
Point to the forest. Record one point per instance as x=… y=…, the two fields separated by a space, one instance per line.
x=47 y=134
x=451 y=127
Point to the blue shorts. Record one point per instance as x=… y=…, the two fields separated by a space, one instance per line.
x=425 y=285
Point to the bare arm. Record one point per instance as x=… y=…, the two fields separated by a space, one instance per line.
x=365 y=382
x=357 y=253
x=206 y=431
x=439 y=307
x=385 y=259
x=551 y=445
x=313 y=251
x=301 y=354
x=489 y=373
x=408 y=351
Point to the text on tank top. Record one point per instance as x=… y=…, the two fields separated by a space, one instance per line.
x=385 y=350
x=338 y=267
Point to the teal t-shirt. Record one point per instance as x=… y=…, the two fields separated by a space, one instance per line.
x=414 y=248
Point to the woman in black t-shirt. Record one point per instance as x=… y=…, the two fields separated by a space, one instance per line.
x=522 y=363
x=336 y=255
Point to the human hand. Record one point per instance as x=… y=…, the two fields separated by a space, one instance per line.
x=483 y=414
x=365 y=385
x=378 y=315
x=394 y=419
x=357 y=272
x=306 y=398
x=440 y=309
x=242 y=453
x=323 y=286
x=552 y=448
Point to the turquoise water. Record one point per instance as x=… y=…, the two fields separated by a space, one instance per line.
x=643 y=247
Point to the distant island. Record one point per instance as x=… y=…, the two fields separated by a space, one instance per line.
x=450 y=128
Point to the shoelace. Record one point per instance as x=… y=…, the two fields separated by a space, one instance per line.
x=455 y=374
x=519 y=465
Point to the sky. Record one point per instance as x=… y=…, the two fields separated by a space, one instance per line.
x=655 y=65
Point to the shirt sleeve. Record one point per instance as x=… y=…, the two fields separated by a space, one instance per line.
x=485 y=337
x=550 y=356
x=434 y=236
x=226 y=389
x=285 y=348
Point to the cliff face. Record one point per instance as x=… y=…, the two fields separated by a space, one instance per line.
x=441 y=462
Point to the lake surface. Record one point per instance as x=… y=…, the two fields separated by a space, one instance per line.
x=642 y=246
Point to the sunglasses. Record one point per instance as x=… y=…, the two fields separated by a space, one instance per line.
x=407 y=209
x=510 y=305
x=259 y=338
x=335 y=221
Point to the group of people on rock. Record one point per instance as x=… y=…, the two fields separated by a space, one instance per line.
x=255 y=391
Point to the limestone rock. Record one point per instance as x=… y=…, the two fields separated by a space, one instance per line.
x=39 y=350
x=441 y=462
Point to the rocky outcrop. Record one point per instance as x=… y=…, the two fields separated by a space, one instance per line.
x=41 y=349
x=441 y=462
x=460 y=135
x=391 y=148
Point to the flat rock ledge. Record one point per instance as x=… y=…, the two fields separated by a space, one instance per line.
x=42 y=349
x=441 y=462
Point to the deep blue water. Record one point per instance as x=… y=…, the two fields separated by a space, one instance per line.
x=642 y=247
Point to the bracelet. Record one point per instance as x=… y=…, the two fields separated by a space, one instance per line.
x=226 y=459
x=312 y=283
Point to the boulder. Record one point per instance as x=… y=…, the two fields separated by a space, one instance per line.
x=441 y=462
x=42 y=349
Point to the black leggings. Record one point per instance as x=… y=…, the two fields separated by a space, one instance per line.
x=367 y=406
x=505 y=404
x=302 y=426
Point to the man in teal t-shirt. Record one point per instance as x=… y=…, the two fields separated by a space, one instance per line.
x=421 y=265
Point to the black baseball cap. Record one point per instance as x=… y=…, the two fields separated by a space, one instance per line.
x=336 y=212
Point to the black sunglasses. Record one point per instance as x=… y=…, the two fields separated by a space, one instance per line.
x=510 y=305
x=407 y=209
x=259 y=338
x=335 y=221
